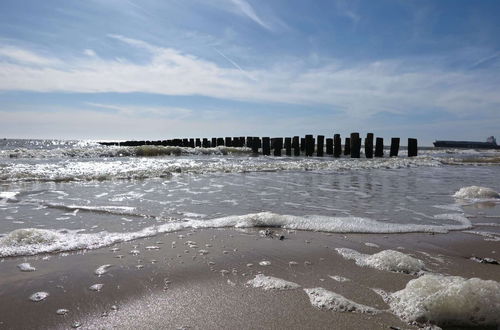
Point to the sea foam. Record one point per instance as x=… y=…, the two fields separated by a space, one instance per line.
x=389 y=260
x=448 y=301
x=30 y=241
x=475 y=192
x=324 y=299
x=271 y=283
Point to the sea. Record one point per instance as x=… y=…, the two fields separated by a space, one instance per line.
x=58 y=195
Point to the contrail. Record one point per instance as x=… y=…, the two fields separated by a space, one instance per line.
x=235 y=64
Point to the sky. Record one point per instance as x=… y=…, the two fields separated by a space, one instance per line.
x=159 y=69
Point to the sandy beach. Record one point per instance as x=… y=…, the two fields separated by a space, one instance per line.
x=197 y=279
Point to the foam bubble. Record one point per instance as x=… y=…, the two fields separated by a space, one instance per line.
x=475 y=192
x=26 y=267
x=271 y=283
x=39 y=296
x=449 y=301
x=101 y=270
x=339 y=278
x=389 y=260
x=324 y=299
x=96 y=287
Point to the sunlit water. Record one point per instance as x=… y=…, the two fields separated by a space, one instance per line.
x=75 y=188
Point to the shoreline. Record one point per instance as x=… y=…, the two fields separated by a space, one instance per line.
x=180 y=287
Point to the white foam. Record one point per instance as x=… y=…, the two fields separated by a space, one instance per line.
x=475 y=192
x=26 y=267
x=137 y=168
x=8 y=195
x=339 y=278
x=389 y=260
x=265 y=263
x=30 y=241
x=272 y=283
x=39 y=296
x=101 y=270
x=324 y=299
x=96 y=287
x=448 y=300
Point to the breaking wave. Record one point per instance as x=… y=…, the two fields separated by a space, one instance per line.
x=31 y=241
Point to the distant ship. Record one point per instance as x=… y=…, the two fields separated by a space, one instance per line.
x=490 y=143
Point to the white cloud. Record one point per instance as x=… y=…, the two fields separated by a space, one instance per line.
x=89 y=52
x=24 y=56
x=361 y=90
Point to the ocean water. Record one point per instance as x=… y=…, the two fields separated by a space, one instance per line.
x=72 y=195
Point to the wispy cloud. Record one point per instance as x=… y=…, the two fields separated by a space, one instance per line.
x=361 y=90
x=169 y=112
x=246 y=9
x=24 y=56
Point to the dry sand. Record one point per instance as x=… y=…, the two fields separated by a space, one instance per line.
x=178 y=287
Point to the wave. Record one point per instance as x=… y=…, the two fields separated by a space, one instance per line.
x=141 y=168
x=31 y=241
x=99 y=151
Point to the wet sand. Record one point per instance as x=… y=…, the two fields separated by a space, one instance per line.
x=177 y=286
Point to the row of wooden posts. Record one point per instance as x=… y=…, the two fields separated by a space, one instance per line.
x=307 y=145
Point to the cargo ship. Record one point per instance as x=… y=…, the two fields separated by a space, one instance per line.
x=490 y=143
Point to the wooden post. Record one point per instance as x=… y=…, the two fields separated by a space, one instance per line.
x=288 y=146
x=198 y=143
x=355 y=145
x=412 y=147
x=266 y=148
x=347 y=146
x=220 y=142
x=321 y=145
x=296 y=146
x=278 y=145
x=394 y=147
x=329 y=146
x=379 y=147
x=191 y=143
x=337 y=145
x=204 y=143
x=214 y=143
x=302 y=144
x=369 y=145
x=228 y=142
x=309 y=145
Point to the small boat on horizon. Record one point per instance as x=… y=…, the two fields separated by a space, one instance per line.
x=490 y=143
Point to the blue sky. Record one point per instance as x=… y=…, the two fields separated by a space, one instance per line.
x=130 y=69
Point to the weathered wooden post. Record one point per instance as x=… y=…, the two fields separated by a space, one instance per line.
x=355 y=145
x=213 y=144
x=204 y=143
x=329 y=146
x=302 y=144
x=228 y=142
x=379 y=147
x=278 y=145
x=309 y=145
x=394 y=147
x=220 y=142
x=412 y=147
x=288 y=146
x=257 y=143
x=296 y=146
x=347 y=146
x=191 y=143
x=337 y=145
x=320 y=145
x=198 y=142
x=266 y=148
x=369 y=145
